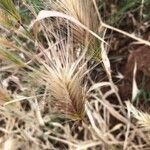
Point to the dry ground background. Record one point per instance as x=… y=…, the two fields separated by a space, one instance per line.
x=75 y=76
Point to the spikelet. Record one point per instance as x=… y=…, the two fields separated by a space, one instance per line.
x=84 y=12
x=143 y=118
x=64 y=75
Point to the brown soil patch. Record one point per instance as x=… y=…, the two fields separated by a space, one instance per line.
x=141 y=56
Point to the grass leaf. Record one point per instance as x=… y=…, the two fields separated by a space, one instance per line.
x=6 y=54
x=10 y=8
x=46 y=14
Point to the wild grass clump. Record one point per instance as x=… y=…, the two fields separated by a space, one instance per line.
x=56 y=103
x=63 y=75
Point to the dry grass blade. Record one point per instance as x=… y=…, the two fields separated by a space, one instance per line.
x=135 y=89
x=143 y=118
x=141 y=41
x=83 y=11
x=45 y=14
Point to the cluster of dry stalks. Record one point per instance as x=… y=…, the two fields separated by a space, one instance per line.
x=48 y=99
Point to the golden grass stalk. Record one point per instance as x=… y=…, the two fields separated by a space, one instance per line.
x=83 y=11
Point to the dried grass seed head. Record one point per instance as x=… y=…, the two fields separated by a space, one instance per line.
x=83 y=11
x=64 y=75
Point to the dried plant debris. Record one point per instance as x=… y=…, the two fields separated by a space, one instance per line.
x=54 y=95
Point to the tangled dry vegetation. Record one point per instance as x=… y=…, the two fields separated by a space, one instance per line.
x=51 y=58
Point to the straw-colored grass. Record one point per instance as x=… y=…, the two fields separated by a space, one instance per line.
x=84 y=12
x=63 y=75
x=56 y=104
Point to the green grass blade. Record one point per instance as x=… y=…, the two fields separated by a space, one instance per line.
x=10 y=8
x=11 y=57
